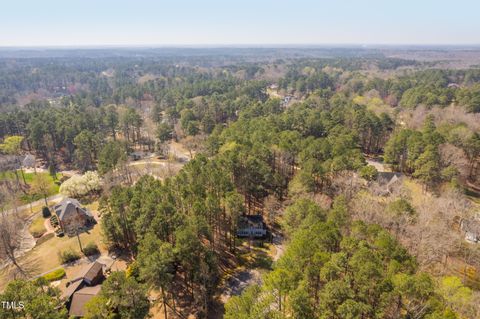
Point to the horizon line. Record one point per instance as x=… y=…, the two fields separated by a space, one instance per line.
x=240 y=45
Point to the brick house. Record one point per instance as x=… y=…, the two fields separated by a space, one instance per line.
x=73 y=217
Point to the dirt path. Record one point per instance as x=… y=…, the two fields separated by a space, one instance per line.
x=378 y=165
x=278 y=243
x=48 y=226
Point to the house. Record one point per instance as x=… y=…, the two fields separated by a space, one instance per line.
x=73 y=217
x=135 y=156
x=85 y=286
x=251 y=226
x=471 y=230
x=28 y=161
x=92 y=274
x=388 y=180
x=80 y=298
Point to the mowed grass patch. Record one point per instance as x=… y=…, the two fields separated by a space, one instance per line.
x=37 y=227
x=30 y=178
x=46 y=255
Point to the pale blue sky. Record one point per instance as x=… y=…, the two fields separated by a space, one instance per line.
x=202 y=22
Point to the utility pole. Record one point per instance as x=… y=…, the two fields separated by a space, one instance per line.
x=79 y=242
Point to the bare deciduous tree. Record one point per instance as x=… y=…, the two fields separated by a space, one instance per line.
x=10 y=228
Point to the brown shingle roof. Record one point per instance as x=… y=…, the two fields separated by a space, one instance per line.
x=90 y=271
x=67 y=294
x=80 y=298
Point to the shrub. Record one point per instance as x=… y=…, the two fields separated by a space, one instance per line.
x=46 y=212
x=68 y=256
x=369 y=172
x=133 y=270
x=55 y=275
x=91 y=249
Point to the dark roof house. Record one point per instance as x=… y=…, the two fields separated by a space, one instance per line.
x=83 y=287
x=388 y=180
x=73 y=217
x=251 y=226
x=91 y=274
x=80 y=298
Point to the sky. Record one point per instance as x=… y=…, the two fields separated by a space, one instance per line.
x=237 y=22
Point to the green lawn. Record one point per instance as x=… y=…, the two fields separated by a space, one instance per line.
x=29 y=179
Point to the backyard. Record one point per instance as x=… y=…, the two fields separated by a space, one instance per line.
x=44 y=257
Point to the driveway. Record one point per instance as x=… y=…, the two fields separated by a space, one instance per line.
x=239 y=281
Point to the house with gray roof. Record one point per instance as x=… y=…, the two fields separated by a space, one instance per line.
x=73 y=217
x=28 y=161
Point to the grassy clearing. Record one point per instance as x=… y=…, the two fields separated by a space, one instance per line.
x=46 y=255
x=29 y=180
x=416 y=191
x=255 y=256
x=44 y=239
x=37 y=227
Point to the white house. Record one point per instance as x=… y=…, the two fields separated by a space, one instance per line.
x=251 y=226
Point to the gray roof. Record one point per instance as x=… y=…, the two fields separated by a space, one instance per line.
x=88 y=272
x=251 y=221
x=387 y=177
x=28 y=160
x=471 y=226
x=69 y=206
